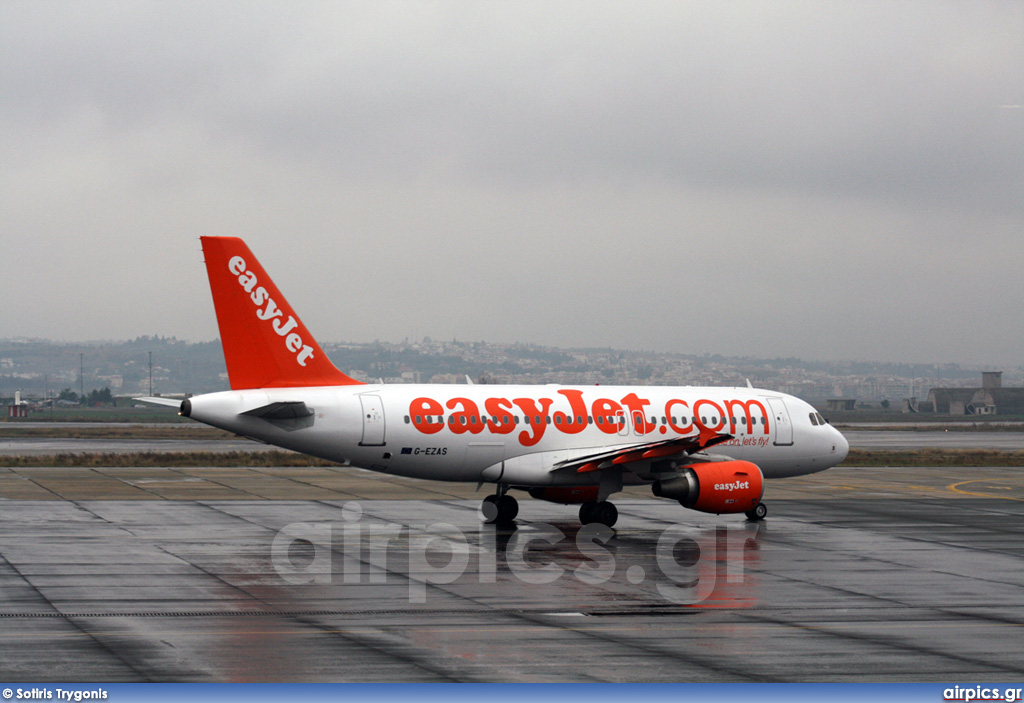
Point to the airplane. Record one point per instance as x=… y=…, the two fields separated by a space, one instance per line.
x=709 y=448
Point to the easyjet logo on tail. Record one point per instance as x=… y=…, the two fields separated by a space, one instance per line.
x=267 y=310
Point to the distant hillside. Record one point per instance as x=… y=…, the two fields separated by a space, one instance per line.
x=37 y=366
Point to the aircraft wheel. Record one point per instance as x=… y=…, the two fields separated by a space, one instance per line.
x=587 y=512
x=489 y=512
x=508 y=508
x=758 y=512
x=606 y=513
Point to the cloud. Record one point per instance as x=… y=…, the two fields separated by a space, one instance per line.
x=790 y=178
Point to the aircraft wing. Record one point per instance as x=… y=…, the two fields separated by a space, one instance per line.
x=677 y=446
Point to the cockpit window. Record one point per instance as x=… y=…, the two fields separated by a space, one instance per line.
x=814 y=418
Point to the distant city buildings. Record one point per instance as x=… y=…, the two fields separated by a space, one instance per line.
x=42 y=369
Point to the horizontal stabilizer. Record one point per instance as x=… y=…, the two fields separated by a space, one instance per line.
x=168 y=402
x=286 y=410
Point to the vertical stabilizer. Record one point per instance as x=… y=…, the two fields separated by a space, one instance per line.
x=265 y=343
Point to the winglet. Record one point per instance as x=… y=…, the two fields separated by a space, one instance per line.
x=265 y=343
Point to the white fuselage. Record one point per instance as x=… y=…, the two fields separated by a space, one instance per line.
x=517 y=435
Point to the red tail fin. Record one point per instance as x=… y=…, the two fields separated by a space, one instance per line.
x=265 y=343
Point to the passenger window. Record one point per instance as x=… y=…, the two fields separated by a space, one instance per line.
x=600 y=419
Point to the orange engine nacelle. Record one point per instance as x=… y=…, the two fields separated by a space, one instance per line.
x=566 y=495
x=715 y=487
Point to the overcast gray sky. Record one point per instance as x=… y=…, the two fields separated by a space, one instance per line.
x=826 y=180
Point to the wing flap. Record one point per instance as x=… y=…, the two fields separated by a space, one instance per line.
x=623 y=456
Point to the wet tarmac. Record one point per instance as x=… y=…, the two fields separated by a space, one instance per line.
x=330 y=574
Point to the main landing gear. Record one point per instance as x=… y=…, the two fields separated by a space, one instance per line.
x=758 y=512
x=499 y=509
x=603 y=512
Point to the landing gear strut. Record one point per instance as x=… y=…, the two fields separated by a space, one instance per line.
x=602 y=512
x=758 y=512
x=499 y=509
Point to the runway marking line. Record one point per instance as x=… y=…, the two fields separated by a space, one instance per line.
x=955 y=488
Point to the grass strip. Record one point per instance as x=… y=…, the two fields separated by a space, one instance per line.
x=85 y=431
x=934 y=457
x=165 y=459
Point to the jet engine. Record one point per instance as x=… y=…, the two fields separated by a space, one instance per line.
x=715 y=487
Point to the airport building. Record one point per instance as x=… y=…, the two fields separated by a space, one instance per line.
x=990 y=399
